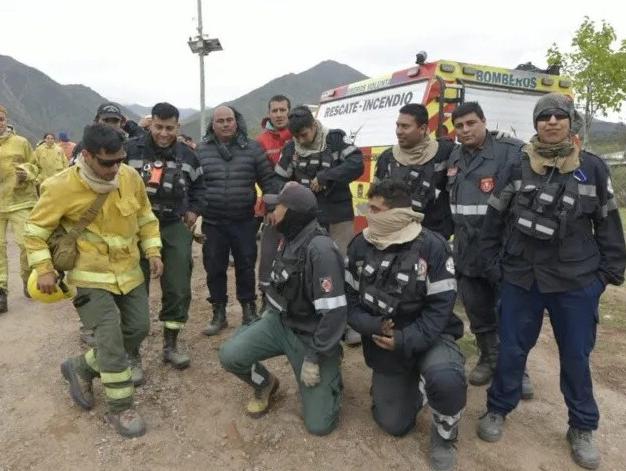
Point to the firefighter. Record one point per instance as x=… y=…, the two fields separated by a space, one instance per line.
x=18 y=194
x=401 y=290
x=275 y=135
x=111 y=298
x=173 y=178
x=421 y=162
x=471 y=173
x=49 y=158
x=326 y=161
x=305 y=319
x=564 y=244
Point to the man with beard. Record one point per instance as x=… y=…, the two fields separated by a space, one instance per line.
x=305 y=319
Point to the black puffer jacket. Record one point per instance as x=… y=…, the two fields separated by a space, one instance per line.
x=230 y=172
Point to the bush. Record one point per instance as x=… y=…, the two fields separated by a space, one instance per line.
x=618 y=175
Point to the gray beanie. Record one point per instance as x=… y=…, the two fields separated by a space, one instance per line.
x=558 y=101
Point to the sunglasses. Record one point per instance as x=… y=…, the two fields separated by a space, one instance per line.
x=557 y=114
x=109 y=163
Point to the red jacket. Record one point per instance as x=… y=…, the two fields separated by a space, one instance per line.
x=272 y=140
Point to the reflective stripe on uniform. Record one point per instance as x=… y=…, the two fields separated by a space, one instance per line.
x=330 y=303
x=135 y=163
x=469 y=209
x=33 y=230
x=282 y=172
x=121 y=377
x=496 y=203
x=117 y=242
x=90 y=358
x=517 y=184
x=143 y=220
x=105 y=278
x=586 y=190
x=38 y=256
x=610 y=205
x=119 y=393
x=193 y=173
x=173 y=325
x=347 y=151
x=351 y=281
x=149 y=243
x=440 y=286
x=273 y=302
x=544 y=229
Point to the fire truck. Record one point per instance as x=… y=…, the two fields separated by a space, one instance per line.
x=367 y=110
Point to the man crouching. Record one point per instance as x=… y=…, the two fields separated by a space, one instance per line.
x=305 y=319
x=401 y=290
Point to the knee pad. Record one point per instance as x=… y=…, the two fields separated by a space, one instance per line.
x=446 y=389
x=395 y=423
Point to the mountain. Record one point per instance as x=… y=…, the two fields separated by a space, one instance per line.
x=37 y=104
x=305 y=87
x=141 y=110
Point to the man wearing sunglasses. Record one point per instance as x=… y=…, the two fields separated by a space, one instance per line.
x=111 y=298
x=564 y=243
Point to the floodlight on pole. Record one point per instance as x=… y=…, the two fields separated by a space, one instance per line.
x=202 y=45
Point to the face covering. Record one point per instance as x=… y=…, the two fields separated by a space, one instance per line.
x=293 y=223
x=394 y=226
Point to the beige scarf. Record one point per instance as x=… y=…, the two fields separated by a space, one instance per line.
x=565 y=155
x=318 y=144
x=394 y=226
x=419 y=155
x=92 y=180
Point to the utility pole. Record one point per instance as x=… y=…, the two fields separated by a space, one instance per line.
x=202 y=46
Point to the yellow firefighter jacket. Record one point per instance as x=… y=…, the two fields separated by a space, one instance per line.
x=108 y=253
x=16 y=152
x=49 y=160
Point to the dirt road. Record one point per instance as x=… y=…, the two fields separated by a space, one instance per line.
x=195 y=417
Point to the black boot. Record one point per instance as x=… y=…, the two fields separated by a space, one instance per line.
x=179 y=360
x=248 y=311
x=219 y=320
x=483 y=371
x=3 y=301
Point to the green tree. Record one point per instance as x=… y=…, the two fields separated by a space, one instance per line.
x=597 y=65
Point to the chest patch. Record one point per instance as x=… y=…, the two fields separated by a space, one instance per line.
x=326 y=284
x=421 y=268
x=487 y=184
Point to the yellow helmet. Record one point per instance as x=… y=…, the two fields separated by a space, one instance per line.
x=63 y=291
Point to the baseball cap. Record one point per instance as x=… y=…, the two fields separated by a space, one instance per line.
x=294 y=196
x=109 y=110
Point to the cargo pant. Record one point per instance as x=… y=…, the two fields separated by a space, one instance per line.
x=120 y=323
x=268 y=337
x=438 y=380
x=17 y=220
x=176 y=279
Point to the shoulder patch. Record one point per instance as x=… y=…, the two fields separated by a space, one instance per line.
x=326 y=283
x=450 y=265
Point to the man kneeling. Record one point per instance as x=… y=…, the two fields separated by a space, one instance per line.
x=305 y=320
x=401 y=290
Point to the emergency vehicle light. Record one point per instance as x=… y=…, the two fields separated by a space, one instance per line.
x=467 y=70
x=547 y=81
x=565 y=83
x=328 y=93
x=448 y=68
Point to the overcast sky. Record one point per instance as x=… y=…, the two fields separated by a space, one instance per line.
x=135 y=51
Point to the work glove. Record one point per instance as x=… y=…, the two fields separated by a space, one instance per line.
x=310 y=374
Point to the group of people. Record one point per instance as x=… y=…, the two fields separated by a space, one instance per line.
x=535 y=227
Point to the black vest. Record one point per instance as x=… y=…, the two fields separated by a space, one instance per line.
x=287 y=289
x=543 y=205
x=306 y=168
x=418 y=177
x=165 y=180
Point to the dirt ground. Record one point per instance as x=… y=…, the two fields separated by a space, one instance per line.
x=195 y=418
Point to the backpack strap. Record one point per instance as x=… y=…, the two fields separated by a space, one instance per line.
x=89 y=215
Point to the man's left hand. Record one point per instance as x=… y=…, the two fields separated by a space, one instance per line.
x=387 y=343
x=190 y=219
x=315 y=186
x=156 y=267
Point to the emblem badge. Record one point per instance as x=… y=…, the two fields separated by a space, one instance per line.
x=487 y=184
x=326 y=284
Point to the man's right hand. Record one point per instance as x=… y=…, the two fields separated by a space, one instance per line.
x=47 y=283
x=386 y=327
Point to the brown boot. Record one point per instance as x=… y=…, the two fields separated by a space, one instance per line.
x=80 y=388
x=127 y=423
x=259 y=406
